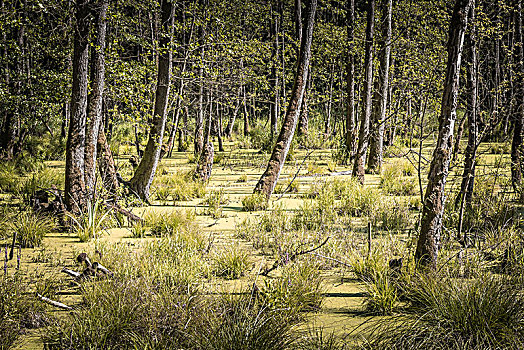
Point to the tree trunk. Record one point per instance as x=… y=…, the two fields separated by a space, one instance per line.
x=246 y=114
x=274 y=105
x=351 y=122
x=431 y=222
x=380 y=101
x=199 y=117
x=94 y=106
x=106 y=163
x=205 y=159
x=363 y=136
x=268 y=180
x=518 y=110
x=74 y=169
x=144 y=174
x=232 y=118
x=468 y=176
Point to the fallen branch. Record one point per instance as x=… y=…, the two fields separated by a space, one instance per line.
x=71 y=273
x=333 y=259
x=54 y=303
x=280 y=262
x=121 y=210
x=295 y=176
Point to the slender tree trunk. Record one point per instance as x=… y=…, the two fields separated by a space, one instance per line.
x=351 y=120
x=380 y=101
x=246 y=114
x=205 y=160
x=330 y=99
x=431 y=222
x=268 y=180
x=75 y=146
x=517 y=152
x=363 y=136
x=95 y=98
x=232 y=118
x=199 y=117
x=145 y=172
x=274 y=105
x=463 y=199
x=303 y=119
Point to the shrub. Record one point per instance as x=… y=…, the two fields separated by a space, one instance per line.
x=231 y=262
x=254 y=202
x=30 y=228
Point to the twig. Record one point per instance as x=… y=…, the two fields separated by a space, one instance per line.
x=54 y=303
x=121 y=210
x=279 y=262
x=333 y=259
x=295 y=176
x=71 y=273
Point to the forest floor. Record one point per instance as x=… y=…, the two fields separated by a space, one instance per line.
x=342 y=310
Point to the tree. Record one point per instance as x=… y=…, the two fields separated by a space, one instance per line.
x=380 y=99
x=351 y=122
x=363 y=135
x=431 y=221
x=75 y=147
x=145 y=172
x=94 y=106
x=268 y=180
x=517 y=153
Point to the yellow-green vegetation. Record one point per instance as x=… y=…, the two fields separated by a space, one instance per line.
x=30 y=228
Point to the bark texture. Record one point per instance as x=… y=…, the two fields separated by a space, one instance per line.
x=144 y=174
x=380 y=100
x=75 y=146
x=426 y=254
x=351 y=122
x=517 y=152
x=268 y=180
x=95 y=98
x=363 y=135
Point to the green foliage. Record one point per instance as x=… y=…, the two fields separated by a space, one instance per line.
x=398 y=179
x=230 y=262
x=299 y=288
x=181 y=186
x=215 y=201
x=90 y=224
x=19 y=310
x=451 y=313
x=31 y=228
x=242 y=178
x=172 y=222
x=254 y=202
x=293 y=186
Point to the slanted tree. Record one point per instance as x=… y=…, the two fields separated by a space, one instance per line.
x=145 y=172
x=363 y=135
x=426 y=254
x=269 y=178
x=380 y=98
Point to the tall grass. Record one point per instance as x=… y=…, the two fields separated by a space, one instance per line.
x=450 y=313
x=30 y=228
